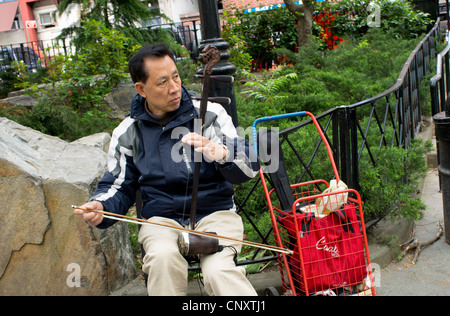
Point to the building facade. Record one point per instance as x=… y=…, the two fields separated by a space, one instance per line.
x=26 y=21
x=14 y=15
x=34 y=24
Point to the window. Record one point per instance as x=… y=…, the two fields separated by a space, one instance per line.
x=16 y=24
x=46 y=19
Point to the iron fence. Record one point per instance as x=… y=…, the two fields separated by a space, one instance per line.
x=354 y=132
x=440 y=83
x=439 y=89
x=187 y=34
x=37 y=54
x=34 y=54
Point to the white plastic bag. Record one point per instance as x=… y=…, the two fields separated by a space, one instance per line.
x=332 y=202
x=325 y=205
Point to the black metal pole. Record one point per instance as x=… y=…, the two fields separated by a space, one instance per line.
x=442 y=126
x=212 y=35
x=447 y=13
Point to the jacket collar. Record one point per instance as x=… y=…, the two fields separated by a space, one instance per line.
x=137 y=110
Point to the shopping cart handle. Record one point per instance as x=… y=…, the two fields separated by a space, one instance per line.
x=271 y=118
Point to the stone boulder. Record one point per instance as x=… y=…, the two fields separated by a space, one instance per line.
x=45 y=249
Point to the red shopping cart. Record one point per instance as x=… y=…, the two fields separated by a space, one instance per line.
x=324 y=228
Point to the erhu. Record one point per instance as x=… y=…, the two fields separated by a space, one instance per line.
x=191 y=245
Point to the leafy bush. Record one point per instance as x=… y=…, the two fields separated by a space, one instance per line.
x=8 y=81
x=396 y=18
x=258 y=36
x=232 y=34
x=359 y=69
x=81 y=81
x=59 y=120
x=270 y=89
x=392 y=182
x=71 y=102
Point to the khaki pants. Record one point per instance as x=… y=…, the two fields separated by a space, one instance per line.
x=167 y=269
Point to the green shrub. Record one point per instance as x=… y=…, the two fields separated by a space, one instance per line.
x=81 y=81
x=358 y=70
x=389 y=186
x=396 y=18
x=60 y=121
x=8 y=82
x=71 y=104
x=259 y=36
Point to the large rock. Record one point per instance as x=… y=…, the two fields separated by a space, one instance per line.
x=45 y=249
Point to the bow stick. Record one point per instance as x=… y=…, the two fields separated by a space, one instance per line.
x=140 y=221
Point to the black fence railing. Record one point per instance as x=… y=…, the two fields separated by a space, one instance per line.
x=440 y=88
x=354 y=132
x=38 y=54
x=187 y=34
x=440 y=83
x=33 y=54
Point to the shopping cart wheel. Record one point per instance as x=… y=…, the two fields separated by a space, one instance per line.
x=271 y=291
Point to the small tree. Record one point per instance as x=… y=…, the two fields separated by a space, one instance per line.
x=304 y=14
x=81 y=81
x=126 y=16
x=112 y=13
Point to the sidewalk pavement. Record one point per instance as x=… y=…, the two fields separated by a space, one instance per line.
x=430 y=275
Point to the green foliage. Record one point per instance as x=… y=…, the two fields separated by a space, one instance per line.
x=270 y=89
x=232 y=34
x=389 y=186
x=59 y=120
x=8 y=82
x=359 y=69
x=121 y=15
x=397 y=18
x=187 y=69
x=83 y=80
x=71 y=102
x=258 y=34
x=261 y=35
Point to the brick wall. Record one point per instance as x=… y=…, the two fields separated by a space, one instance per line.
x=246 y=4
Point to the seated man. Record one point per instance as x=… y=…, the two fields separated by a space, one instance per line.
x=146 y=153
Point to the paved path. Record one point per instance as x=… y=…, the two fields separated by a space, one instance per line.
x=431 y=274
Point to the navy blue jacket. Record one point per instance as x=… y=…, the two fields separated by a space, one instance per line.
x=147 y=156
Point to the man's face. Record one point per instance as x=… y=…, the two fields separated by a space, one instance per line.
x=163 y=87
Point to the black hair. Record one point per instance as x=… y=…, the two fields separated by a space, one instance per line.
x=136 y=67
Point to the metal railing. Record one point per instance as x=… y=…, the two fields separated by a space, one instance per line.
x=187 y=34
x=440 y=83
x=354 y=132
x=34 y=54
x=439 y=89
x=37 y=54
